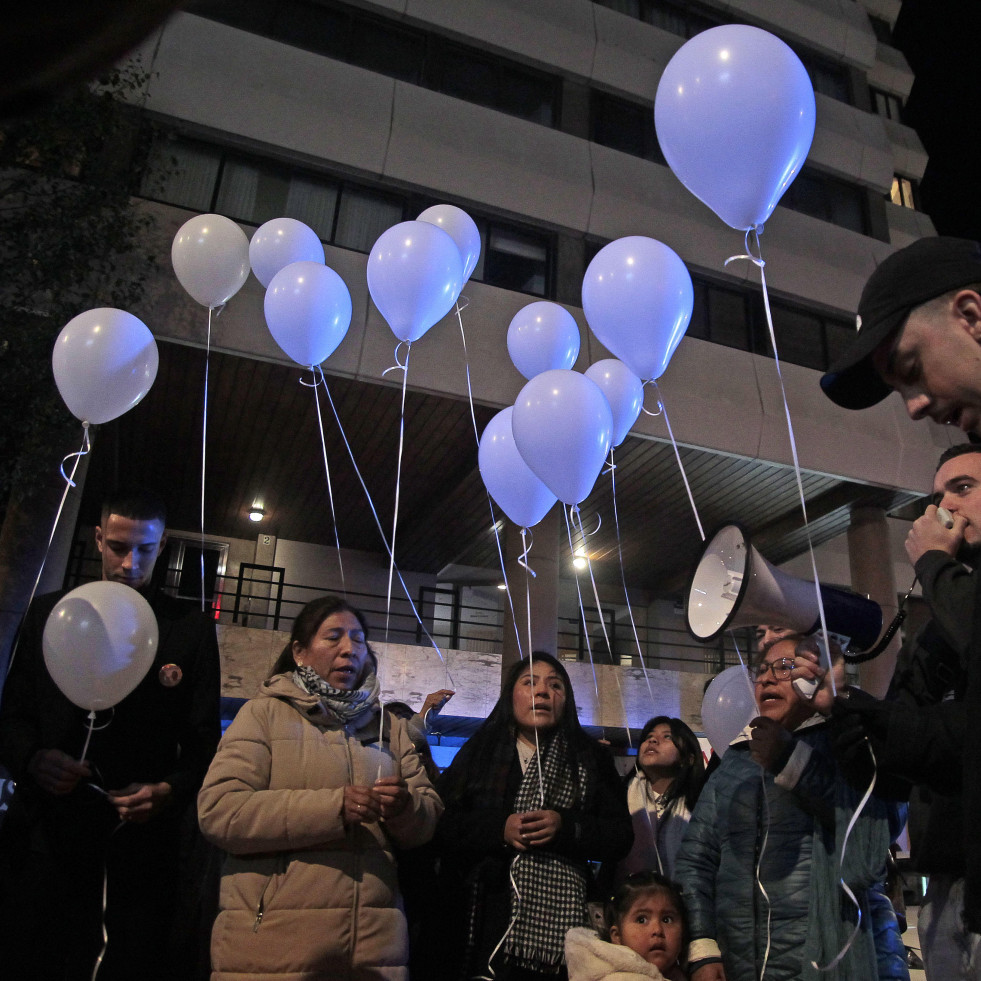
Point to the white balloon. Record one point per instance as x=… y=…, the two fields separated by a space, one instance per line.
x=543 y=336
x=210 y=256
x=415 y=275
x=728 y=707
x=104 y=362
x=508 y=479
x=279 y=242
x=99 y=642
x=461 y=228
x=623 y=390
x=308 y=311
x=562 y=426
x=735 y=113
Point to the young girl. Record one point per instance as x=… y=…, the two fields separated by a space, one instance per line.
x=661 y=793
x=647 y=930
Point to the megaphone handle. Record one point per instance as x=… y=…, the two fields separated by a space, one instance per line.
x=862 y=656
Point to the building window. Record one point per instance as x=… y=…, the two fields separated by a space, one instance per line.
x=905 y=192
x=828 y=199
x=624 y=125
x=399 y=51
x=827 y=78
x=881 y=28
x=886 y=104
x=512 y=259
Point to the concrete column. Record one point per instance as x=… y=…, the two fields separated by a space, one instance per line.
x=870 y=561
x=543 y=590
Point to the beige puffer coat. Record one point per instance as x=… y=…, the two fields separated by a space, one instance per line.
x=302 y=897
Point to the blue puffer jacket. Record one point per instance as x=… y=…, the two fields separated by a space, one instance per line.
x=793 y=826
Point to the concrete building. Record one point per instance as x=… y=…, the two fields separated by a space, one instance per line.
x=536 y=118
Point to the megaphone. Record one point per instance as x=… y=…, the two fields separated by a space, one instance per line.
x=734 y=586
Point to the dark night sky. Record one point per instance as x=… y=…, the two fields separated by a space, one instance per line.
x=942 y=40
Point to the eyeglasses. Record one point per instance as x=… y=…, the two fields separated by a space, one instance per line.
x=781 y=668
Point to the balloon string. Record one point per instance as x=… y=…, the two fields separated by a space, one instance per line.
x=491 y=975
x=523 y=557
x=626 y=593
x=677 y=455
x=330 y=490
x=841 y=864
x=504 y=572
x=646 y=411
x=531 y=669
x=606 y=637
x=466 y=364
x=69 y=484
x=398 y=366
x=398 y=488
x=582 y=609
x=204 y=442
x=757 y=259
x=88 y=735
x=460 y=307
x=77 y=457
x=381 y=531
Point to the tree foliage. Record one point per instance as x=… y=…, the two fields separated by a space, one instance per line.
x=73 y=240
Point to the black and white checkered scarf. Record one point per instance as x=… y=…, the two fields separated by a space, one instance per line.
x=346 y=705
x=552 y=888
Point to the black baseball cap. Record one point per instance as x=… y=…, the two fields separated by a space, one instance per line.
x=908 y=278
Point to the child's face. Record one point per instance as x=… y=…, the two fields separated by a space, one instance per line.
x=652 y=929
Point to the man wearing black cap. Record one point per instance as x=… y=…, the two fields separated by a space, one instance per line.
x=919 y=333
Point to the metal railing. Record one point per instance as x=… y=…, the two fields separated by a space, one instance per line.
x=260 y=596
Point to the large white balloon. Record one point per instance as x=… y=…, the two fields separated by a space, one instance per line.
x=279 y=242
x=461 y=228
x=104 y=362
x=734 y=113
x=562 y=426
x=508 y=479
x=623 y=390
x=308 y=311
x=542 y=336
x=99 y=642
x=728 y=706
x=415 y=275
x=637 y=296
x=210 y=256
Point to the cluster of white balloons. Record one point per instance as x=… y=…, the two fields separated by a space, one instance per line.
x=551 y=445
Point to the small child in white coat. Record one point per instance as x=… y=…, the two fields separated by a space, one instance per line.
x=647 y=933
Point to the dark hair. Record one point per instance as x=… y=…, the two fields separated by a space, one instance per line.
x=136 y=503
x=644 y=884
x=494 y=739
x=399 y=709
x=959 y=450
x=308 y=622
x=687 y=785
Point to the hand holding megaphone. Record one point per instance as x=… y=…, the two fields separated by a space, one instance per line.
x=935 y=530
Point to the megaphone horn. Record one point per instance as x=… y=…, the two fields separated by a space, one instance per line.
x=734 y=586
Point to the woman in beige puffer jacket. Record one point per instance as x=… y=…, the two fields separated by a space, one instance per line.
x=308 y=805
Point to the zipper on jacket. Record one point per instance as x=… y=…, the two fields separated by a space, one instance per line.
x=259 y=912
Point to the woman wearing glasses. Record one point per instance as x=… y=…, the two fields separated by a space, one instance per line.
x=308 y=797
x=761 y=861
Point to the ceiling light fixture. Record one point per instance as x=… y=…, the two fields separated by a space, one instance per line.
x=256 y=514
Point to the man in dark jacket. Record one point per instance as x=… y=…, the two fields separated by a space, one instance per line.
x=94 y=844
x=919 y=333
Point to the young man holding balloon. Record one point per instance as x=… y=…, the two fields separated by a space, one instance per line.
x=102 y=795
